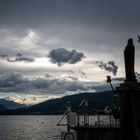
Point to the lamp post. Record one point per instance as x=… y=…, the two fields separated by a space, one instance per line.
x=115 y=95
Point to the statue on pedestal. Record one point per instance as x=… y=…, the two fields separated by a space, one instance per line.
x=129 y=57
x=130 y=98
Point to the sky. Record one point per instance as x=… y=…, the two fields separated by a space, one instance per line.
x=53 y=48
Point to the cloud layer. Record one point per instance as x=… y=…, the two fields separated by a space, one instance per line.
x=89 y=12
x=61 y=56
x=97 y=28
x=16 y=82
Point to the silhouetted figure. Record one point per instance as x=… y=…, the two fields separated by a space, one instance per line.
x=129 y=56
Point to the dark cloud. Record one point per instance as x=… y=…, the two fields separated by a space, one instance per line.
x=61 y=56
x=19 y=58
x=110 y=66
x=17 y=83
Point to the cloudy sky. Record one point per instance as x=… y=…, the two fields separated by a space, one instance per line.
x=52 y=48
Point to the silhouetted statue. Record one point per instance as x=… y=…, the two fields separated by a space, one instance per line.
x=129 y=56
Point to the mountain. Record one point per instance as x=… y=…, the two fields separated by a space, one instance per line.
x=97 y=101
x=54 y=106
x=2 y=108
x=11 y=104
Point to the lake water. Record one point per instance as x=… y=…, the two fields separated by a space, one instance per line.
x=30 y=127
x=33 y=127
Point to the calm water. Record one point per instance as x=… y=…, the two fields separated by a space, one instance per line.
x=30 y=127
x=33 y=127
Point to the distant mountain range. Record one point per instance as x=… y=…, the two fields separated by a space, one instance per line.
x=96 y=101
x=11 y=104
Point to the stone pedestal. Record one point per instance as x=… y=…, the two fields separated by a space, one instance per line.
x=130 y=110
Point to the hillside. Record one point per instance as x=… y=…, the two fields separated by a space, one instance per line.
x=97 y=101
x=11 y=104
x=2 y=108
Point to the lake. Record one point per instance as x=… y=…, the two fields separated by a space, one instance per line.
x=34 y=127
x=30 y=127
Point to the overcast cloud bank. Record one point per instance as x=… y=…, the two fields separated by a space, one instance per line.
x=70 y=29
x=16 y=82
